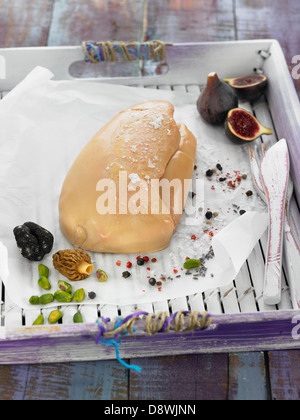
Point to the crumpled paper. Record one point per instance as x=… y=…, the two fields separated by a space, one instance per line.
x=44 y=125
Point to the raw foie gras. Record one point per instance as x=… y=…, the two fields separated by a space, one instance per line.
x=146 y=142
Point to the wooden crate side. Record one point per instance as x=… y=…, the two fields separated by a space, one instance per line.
x=228 y=333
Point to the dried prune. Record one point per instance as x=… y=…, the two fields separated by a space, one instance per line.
x=33 y=241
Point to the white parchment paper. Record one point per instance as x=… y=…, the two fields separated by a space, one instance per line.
x=44 y=125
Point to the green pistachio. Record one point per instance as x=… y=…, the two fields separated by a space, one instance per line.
x=61 y=296
x=77 y=318
x=39 y=320
x=79 y=295
x=101 y=275
x=43 y=270
x=34 y=300
x=45 y=299
x=65 y=287
x=54 y=317
x=189 y=264
x=44 y=283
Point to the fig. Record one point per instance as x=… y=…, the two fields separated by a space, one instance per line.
x=242 y=127
x=248 y=88
x=216 y=100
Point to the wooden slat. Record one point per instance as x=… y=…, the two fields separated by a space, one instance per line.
x=27 y=25
x=285 y=374
x=196 y=377
x=105 y=380
x=248 y=379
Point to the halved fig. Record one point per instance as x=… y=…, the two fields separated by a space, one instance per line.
x=216 y=100
x=249 y=88
x=242 y=127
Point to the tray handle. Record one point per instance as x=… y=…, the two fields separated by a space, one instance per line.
x=96 y=52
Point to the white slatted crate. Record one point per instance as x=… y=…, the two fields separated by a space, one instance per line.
x=240 y=319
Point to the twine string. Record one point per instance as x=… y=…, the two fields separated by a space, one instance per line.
x=154 y=323
x=96 y=52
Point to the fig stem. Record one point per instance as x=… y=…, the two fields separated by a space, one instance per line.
x=266 y=130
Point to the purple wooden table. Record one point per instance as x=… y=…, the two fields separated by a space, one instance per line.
x=255 y=375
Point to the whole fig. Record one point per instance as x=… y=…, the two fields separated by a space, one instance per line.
x=217 y=99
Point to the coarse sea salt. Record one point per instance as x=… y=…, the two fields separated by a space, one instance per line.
x=157 y=122
x=150 y=164
x=134 y=178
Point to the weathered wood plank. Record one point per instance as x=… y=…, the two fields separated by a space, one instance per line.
x=103 y=380
x=197 y=377
x=284 y=368
x=248 y=377
x=25 y=23
x=189 y=20
x=13 y=381
x=102 y=20
x=273 y=19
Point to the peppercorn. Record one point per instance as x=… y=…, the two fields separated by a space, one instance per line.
x=218 y=166
x=209 y=215
x=129 y=264
x=140 y=261
x=152 y=281
x=146 y=259
x=126 y=274
x=249 y=193
x=222 y=179
x=209 y=173
x=242 y=212
x=92 y=295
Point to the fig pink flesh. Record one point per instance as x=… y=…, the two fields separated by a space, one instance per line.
x=244 y=124
x=247 y=81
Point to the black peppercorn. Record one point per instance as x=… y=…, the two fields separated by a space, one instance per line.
x=249 y=193
x=209 y=215
x=242 y=212
x=92 y=295
x=140 y=261
x=152 y=281
x=126 y=274
x=222 y=179
x=218 y=166
x=209 y=173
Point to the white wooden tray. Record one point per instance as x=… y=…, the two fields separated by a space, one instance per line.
x=236 y=308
